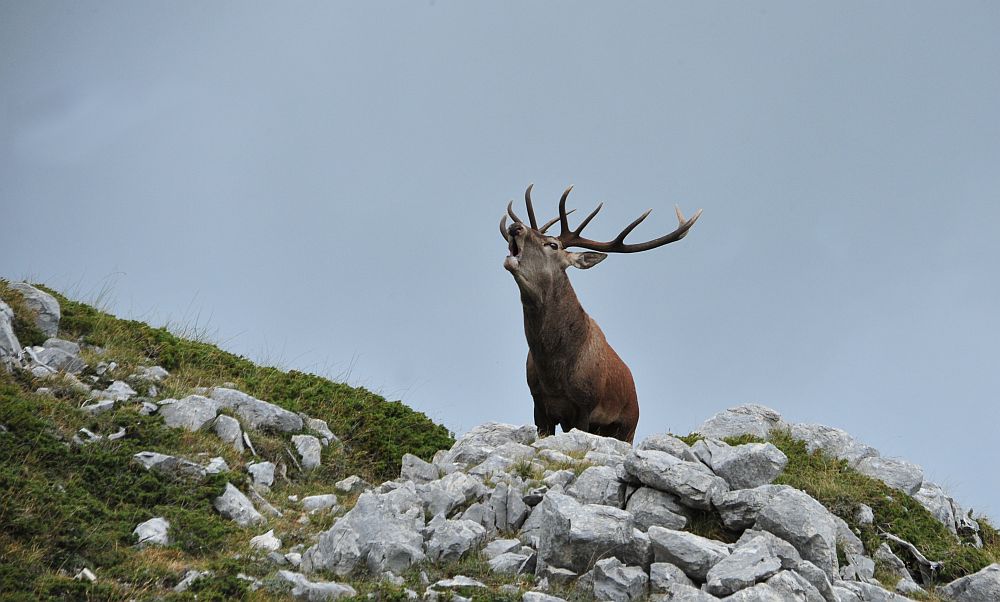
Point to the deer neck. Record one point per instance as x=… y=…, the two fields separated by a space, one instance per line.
x=555 y=323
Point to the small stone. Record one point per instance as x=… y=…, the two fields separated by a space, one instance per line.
x=86 y=575
x=99 y=407
x=304 y=589
x=267 y=542
x=191 y=413
x=262 y=473
x=309 y=449
x=216 y=465
x=351 y=485
x=315 y=503
x=152 y=532
x=228 y=429
x=617 y=582
x=232 y=504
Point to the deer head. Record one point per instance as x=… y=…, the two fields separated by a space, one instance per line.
x=538 y=259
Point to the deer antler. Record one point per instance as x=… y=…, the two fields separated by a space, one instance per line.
x=572 y=238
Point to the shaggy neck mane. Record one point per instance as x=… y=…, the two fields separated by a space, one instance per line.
x=555 y=323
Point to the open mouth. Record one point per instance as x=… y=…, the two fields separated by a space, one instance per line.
x=515 y=251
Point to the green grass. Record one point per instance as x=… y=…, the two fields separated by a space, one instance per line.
x=67 y=507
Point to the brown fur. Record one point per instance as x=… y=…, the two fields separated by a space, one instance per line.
x=575 y=377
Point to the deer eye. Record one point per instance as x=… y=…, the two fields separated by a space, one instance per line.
x=551 y=245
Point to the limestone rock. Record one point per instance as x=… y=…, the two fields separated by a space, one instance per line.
x=598 y=485
x=303 y=589
x=573 y=536
x=789 y=585
x=447 y=493
x=663 y=574
x=416 y=470
x=352 y=485
x=670 y=444
x=310 y=450
x=833 y=442
x=738 y=509
x=802 y=521
x=619 y=583
x=578 y=443
x=153 y=532
x=898 y=474
x=228 y=429
x=381 y=532
x=651 y=507
x=10 y=347
x=453 y=539
x=191 y=413
x=169 y=465
x=262 y=473
x=266 y=542
x=984 y=585
x=749 y=419
x=509 y=563
x=691 y=482
x=932 y=496
x=477 y=445
x=742 y=466
x=256 y=413
x=232 y=504
x=693 y=554
x=752 y=561
x=44 y=306
x=315 y=503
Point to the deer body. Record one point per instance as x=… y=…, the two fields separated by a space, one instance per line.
x=576 y=379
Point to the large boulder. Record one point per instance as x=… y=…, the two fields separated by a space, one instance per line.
x=742 y=466
x=984 y=585
x=749 y=419
x=651 y=507
x=577 y=443
x=449 y=492
x=598 y=485
x=670 y=444
x=191 y=413
x=739 y=509
x=898 y=474
x=833 y=442
x=752 y=561
x=43 y=305
x=797 y=518
x=692 y=482
x=574 y=536
x=693 y=554
x=257 y=414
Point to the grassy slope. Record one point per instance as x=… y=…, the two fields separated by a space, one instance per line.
x=66 y=507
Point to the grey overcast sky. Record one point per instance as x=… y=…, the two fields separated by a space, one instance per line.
x=319 y=185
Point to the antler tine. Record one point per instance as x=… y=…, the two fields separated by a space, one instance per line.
x=628 y=229
x=510 y=212
x=563 y=222
x=586 y=220
x=531 y=210
x=503 y=228
x=549 y=223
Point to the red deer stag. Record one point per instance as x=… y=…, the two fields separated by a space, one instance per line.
x=576 y=379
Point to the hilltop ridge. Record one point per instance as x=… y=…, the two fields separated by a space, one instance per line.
x=143 y=465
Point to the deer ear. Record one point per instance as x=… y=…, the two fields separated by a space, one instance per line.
x=586 y=260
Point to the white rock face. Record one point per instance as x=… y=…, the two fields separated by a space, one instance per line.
x=191 y=413
x=479 y=443
x=235 y=506
x=898 y=474
x=739 y=509
x=45 y=307
x=310 y=450
x=416 y=470
x=670 y=444
x=751 y=562
x=693 y=483
x=153 y=532
x=932 y=496
x=749 y=419
x=598 y=485
x=256 y=413
x=691 y=553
